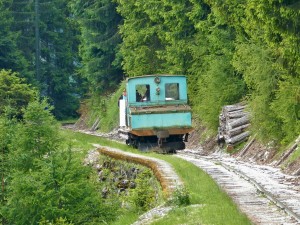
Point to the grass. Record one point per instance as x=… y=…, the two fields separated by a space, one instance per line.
x=85 y=141
x=210 y=205
x=213 y=206
x=104 y=108
x=68 y=121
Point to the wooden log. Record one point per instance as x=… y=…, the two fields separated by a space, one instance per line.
x=237 y=130
x=230 y=108
x=289 y=151
x=245 y=149
x=96 y=124
x=239 y=122
x=237 y=114
x=238 y=138
x=229 y=121
x=233 y=121
x=297 y=173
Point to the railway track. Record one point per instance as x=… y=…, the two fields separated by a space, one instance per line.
x=264 y=194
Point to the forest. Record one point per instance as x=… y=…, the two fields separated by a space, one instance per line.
x=58 y=55
x=231 y=51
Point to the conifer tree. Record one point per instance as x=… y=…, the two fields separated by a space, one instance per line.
x=57 y=55
x=140 y=35
x=14 y=92
x=48 y=181
x=7 y=135
x=100 y=38
x=10 y=56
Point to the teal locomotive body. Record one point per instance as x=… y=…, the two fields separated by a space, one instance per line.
x=157 y=113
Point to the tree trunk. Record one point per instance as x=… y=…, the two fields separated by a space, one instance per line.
x=238 y=138
x=289 y=151
x=231 y=108
x=237 y=130
x=236 y=114
x=239 y=122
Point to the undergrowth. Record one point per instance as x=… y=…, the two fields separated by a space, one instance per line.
x=104 y=111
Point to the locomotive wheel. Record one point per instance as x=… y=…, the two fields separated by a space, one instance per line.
x=153 y=143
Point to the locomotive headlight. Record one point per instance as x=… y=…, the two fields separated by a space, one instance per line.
x=157 y=80
x=157 y=91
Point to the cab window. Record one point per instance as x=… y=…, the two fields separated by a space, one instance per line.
x=142 y=92
x=172 y=91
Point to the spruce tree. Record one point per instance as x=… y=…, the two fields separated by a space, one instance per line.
x=48 y=40
x=7 y=136
x=100 y=38
x=14 y=92
x=10 y=56
x=48 y=179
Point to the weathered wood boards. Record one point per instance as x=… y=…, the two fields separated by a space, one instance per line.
x=233 y=124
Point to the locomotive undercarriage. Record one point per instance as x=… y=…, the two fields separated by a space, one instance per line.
x=158 y=144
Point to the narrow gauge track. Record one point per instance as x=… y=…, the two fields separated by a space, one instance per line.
x=259 y=192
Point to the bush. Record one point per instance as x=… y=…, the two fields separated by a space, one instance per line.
x=180 y=197
x=14 y=92
x=144 y=196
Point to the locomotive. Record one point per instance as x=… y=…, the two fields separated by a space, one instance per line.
x=154 y=112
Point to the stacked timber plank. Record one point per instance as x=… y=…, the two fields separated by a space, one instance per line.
x=233 y=124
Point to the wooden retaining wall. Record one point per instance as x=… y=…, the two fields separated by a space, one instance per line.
x=163 y=171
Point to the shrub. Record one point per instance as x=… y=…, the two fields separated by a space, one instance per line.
x=143 y=196
x=180 y=197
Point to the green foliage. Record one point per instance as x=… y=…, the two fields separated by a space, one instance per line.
x=140 y=38
x=37 y=135
x=155 y=36
x=58 y=80
x=10 y=56
x=48 y=181
x=176 y=33
x=99 y=40
x=53 y=59
x=256 y=64
x=143 y=196
x=217 y=83
x=105 y=110
x=14 y=92
x=286 y=107
x=59 y=221
x=180 y=197
x=58 y=188
x=7 y=135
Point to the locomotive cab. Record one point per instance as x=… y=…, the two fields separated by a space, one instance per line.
x=156 y=112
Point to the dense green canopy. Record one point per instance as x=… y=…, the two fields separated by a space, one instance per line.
x=231 y=51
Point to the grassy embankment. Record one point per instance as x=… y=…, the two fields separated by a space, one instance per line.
x=209 y=204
